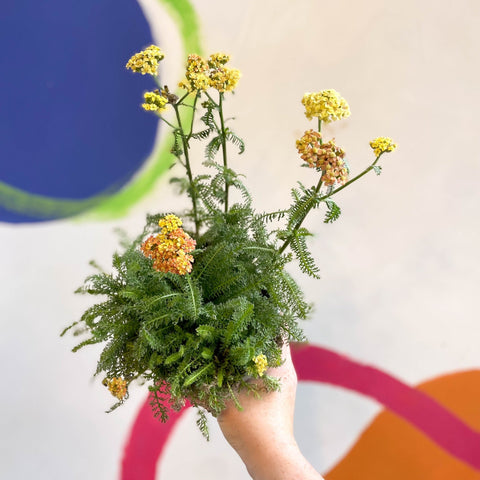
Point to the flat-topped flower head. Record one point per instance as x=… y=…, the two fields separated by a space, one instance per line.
x=261 y=364
x=201 y=74
x=224 y=79
x=325 y=157
x=117 y=387
x=170 y=249
x=154 y=101
x=196 y=64
x=327 y=105
x=146 y=61
x=382 y=144
x=196 y=74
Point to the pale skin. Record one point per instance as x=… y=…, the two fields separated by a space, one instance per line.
x=262 y=433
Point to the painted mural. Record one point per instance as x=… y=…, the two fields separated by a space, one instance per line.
x=76 y=147
x=80 y=110
x=431 y=432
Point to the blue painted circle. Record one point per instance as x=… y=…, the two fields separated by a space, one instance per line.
x=71 y=125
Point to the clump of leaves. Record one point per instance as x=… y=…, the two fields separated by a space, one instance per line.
x=197 y=335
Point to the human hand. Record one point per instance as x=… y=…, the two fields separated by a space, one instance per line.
x=262 y=433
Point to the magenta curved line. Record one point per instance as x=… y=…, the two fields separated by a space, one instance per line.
x=426 y=414
x=146 y=443
x=149 y=436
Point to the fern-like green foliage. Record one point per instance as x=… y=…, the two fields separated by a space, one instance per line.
x=197 y=333
x=196 y=336
x=299 y=247
x=333 y=211
x=202 y=423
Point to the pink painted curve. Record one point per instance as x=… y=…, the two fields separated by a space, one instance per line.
x=146 y=443
x=149 y=436
x=318 y=364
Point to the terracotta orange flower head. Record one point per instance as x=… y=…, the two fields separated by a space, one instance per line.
x=170 y=249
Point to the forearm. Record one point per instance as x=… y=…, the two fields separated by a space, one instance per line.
x=278 y=461
x=262 y=432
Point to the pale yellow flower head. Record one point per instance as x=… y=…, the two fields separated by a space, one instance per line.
x=327 y=105
x=117 y=387
x=196 y=74
x=261 y=364
x=146 y=61
x=201 y=74
x=382 y=144
x=224 y=79
x=169 y=223
x=154 y=102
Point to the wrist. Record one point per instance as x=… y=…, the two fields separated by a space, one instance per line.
x=280 y=460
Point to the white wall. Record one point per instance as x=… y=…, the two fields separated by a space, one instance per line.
x=399 y=270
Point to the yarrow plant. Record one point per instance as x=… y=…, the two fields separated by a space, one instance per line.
x=198 y=311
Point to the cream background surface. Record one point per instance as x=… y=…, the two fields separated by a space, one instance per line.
x=399 y=284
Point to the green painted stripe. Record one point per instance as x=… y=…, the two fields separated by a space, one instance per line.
x=41 y=206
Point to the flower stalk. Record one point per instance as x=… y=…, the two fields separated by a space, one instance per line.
x=192 y=189
x=299 y=223
x=354 y=179
x=224 y=147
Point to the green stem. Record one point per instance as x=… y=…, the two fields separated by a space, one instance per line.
x=354 y=179
x=299 y=223
x=193 y=118
x=167 y=122
x=174 y=128
x=193 y=192
x=210 y=98
x=179 y=102
x=224 y=147
x=333 y=192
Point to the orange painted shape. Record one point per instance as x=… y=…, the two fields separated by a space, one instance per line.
x=392 y=449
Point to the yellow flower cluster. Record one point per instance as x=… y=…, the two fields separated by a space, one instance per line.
x=326 y=157
x=117 y=387
x=216 y=60
x=146 y=61
x=382 y=144
x=224 y=79
x=308 y=147
x=201 y=74
x=154 y=102
x=196 y=75
x=170 y=249
x=327 y=105
x=169 y=223
x=261 y=364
